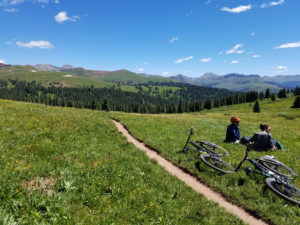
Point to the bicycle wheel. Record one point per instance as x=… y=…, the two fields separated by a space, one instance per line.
x=217 y=163
x=276 y=166
x=285 y=191
x=213 y=148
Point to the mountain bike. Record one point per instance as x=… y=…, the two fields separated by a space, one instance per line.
x=210 y=154
x=279 y=177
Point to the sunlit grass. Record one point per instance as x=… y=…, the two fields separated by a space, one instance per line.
x=168 y=134
x=71 y=166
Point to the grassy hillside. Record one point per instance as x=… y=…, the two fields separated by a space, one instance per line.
x=47 y=77
x=71 y=166
x=168 y=134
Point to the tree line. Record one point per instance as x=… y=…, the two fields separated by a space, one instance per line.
x=189 y=98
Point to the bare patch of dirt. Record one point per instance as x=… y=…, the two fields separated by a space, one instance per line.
x=191 y=181
x=45 y=185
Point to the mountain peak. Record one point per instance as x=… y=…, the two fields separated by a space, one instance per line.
x=209 y=76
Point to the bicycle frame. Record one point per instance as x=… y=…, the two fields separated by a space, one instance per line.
x=263 y=170
x=198 y=147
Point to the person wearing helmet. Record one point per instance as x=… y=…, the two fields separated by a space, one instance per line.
x=233 y=133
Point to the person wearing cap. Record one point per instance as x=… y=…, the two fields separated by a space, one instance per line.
x=233 y=133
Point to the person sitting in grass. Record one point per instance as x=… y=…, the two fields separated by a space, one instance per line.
x=233 y=133
x=263 y=140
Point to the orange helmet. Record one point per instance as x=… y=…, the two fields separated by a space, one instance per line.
x=234 y=119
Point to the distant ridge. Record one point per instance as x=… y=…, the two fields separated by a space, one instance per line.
x=231 y=81
x=241 y=82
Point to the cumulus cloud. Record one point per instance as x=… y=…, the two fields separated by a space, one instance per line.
x=270 y=4
x=282 y=68
x=62 y=17
x=234 y=62
x=290 y=45
x=239 y=9
x=173 y=40
x=35 y=44
x=140 y=69
x=205 y=60
x=56 y=1
x=166 y=73
x=236 y=49
x=256 y=56
x=183 y=59
x=2 y=61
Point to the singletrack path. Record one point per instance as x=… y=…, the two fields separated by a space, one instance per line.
x=190 y=180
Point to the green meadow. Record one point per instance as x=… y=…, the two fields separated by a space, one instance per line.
x=71 y=166
x=168 y=133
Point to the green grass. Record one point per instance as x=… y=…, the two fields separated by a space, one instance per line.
x=168 y=134
x=94 y=175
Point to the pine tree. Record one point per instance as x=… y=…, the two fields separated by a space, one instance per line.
x=282 y=93
x=296 y=102
x=256 y=108
x=267 y=94
x=105 y=105
x=273 y=97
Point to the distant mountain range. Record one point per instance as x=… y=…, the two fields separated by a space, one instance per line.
x=232 y=81
x=240 y=82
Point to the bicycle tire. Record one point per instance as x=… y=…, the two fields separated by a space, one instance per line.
x=276 y=166
x=217 y=163
x=213 y=148
x=287 y=192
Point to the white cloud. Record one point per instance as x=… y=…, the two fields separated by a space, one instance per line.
x=140 y=69
x=36 y=44
x=270 y=4
x=256 y=56
x=236 y=49
x=17 y=2
x=239 y=9
x=145 y=63
x=290 y=45
x=191 y=12
x=56 y=1
x=12 y=10
x=183 y=59
x=173 y=39
x=166 y=73
x=207 y=2
x=2 y=61
x=62 y=17
x=205 y=60
x=234 y=62
x=282 y=68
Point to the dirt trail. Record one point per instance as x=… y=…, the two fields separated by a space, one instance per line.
x=190 y=180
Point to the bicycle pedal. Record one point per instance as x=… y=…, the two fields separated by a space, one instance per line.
x=248 y=170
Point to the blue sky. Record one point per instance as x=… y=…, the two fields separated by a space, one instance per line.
x=162 y=37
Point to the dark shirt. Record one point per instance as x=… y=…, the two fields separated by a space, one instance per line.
x=263 y=141
x=233 y=133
